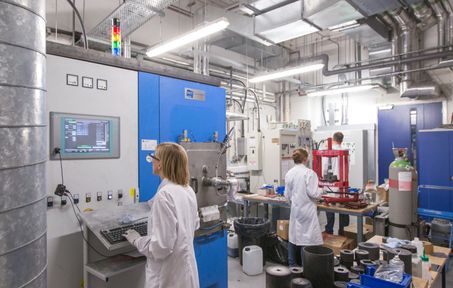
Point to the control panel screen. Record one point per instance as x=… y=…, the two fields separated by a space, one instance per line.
x=84 y=136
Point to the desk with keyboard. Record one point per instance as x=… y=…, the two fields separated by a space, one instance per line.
x=103 y=229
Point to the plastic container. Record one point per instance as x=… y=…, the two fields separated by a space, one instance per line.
x=419 y=244
x=392 y=272
x=251 y=231
x=233 y=246
x=253 y=260
x=426 y=267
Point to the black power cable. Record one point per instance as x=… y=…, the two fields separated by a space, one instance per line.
x=85 y=42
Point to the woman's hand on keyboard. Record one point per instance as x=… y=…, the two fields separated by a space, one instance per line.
x=131 y=235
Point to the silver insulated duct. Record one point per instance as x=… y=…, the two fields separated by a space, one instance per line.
x=23 y=141
x=407 y=37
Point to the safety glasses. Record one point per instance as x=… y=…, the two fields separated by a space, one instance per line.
x=153 y=155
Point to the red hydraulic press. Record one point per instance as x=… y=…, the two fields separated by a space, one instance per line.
x=330 y=180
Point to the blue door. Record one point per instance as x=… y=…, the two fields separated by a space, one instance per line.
x=394 y=128
x=148 y=130
x=198 y=108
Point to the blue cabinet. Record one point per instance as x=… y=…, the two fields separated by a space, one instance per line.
x=436 y=170
x=394 y=128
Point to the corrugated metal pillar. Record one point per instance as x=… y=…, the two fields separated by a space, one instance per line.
x=23 y=142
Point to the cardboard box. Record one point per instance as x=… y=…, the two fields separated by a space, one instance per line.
x=337 y=243
x=382 y=193
x=282 y=229
x=351 y=231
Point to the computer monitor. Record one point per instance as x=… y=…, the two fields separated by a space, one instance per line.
x=84 y=136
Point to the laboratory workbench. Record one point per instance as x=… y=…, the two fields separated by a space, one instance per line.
x=283 y=202
x=439 y=262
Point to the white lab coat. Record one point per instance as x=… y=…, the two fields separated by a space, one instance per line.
x=302 y=191
x=168 y=246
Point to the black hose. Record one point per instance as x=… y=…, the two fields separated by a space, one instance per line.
x=85 y=42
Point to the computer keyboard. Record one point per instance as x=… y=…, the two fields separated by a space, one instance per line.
x=115 y=235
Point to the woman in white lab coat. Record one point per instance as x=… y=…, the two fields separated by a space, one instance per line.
x=301 y=189
x=172 y=223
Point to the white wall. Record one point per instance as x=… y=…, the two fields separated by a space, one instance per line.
x=82 y=176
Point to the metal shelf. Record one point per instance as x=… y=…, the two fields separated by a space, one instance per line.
x=109 y=267
x=132 y=14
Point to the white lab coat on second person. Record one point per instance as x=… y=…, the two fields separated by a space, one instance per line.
x=168 y=247
x=301 y=189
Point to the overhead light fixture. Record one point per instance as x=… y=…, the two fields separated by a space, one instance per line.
x=344 y=26
x=189 y=37
x=287 y=72
x=341 y=90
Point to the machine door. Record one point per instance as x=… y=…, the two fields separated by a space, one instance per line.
x=197 y=108
x=435 y=155
x=451 y=160
x=396 y=128
x=435 y=171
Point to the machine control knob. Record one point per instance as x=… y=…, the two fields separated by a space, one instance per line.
x=451 y=178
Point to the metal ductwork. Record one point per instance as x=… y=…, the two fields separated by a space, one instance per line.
x=425 y=16
x=406 y=34
x=407 y=39
x=23 y=138
x=440 y=15
x=448 y=5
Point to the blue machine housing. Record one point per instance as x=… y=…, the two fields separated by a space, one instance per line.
x=167 y=106
x=436 y=170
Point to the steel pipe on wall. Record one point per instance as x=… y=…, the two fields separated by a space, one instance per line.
x=23 y=153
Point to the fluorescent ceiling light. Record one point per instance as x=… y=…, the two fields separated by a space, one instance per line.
x=189 y=37
x=375 y=52
x=289 y=31
x=341 y=90
x=287 y=72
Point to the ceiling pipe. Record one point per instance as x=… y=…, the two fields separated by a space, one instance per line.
x=449 y=22
x=406 y=35
x=324 y=58
x=395 y=40
x=440 y=15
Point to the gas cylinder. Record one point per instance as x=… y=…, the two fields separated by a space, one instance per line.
x=402 y=196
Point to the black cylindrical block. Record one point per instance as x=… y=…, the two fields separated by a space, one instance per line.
x=346 y=258
x=357 y=269
x=367 y=263
x=297 y=272
x=318 y=266
x=372 y=248
x=341 y=273
x=360 y=255
x=410 y=248
x=301 y=283
x=278 y=277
